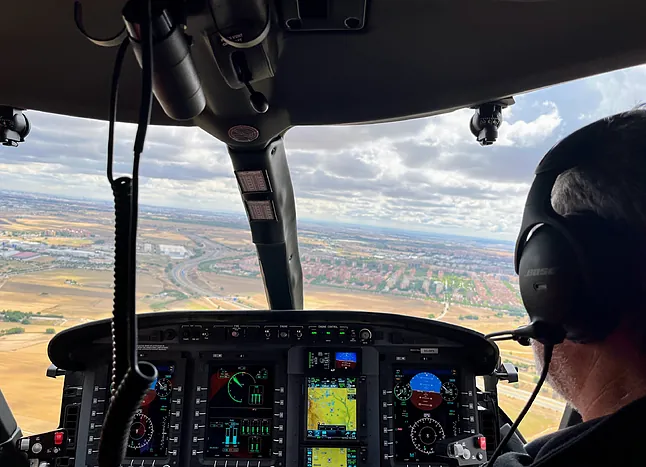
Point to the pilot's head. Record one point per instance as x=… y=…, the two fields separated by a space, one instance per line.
x=600 y=375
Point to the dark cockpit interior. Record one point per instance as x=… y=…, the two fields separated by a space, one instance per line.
x=286 y=387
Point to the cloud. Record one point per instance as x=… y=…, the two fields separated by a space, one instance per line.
x=427 y=174
x=446 y=144
x=616 y=92
x=78 y=146
x=529 y=134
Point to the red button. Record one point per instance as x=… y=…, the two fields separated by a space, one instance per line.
x=482 y=441
x=58 y=437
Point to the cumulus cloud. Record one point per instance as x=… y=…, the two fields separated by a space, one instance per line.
x=427 y=174
x=616 y=92
x=529 y=134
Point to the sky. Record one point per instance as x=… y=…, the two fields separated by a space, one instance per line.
x=424 y=174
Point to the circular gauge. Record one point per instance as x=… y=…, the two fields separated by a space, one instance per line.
x=238 y=386
x=426 y=389
x=402 y=391
x=163 y=387
x=424 y=433
x=141 y=431
x=449 y=391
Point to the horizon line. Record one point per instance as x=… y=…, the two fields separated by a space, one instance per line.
x=242 y=216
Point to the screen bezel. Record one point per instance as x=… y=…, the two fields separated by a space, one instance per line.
x=176 y=382
x=356 y=372
x=357 y=409
x=430 y=368
x=211 y=364
x=329 y=446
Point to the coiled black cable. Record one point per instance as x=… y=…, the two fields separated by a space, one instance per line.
x=121 y=194
x=121 y=190
x=137 y=376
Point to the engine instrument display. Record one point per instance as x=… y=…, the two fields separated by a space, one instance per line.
x=331 y=457
x=151 y=423
x=425 y=411
x=331 y=407
x=240 y=412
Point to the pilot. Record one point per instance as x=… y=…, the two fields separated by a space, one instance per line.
x=603 y=379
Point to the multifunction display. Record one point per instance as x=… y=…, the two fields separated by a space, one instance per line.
x=331 y=407
x=151 y=423
x=239 y=418
x=332 y=394
x=330 y=457
x=426 y=411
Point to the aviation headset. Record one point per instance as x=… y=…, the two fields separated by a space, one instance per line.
x=577 y=273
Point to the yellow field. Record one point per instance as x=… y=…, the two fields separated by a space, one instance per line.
x=326 y=299
x=47 y=292
x=502 y=254
x=39 y=223
x=34 y=399
x=539 y=421
x=167 y=237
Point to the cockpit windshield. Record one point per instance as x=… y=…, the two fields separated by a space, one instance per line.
x=412 y=217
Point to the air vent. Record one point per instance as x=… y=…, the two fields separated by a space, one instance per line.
x=313 y=9
x=70 y=425
x=489 y=429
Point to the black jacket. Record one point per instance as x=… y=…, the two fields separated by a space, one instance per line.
x=615 y=440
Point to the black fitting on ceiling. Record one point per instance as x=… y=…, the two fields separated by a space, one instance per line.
x=487 y=119
x=14 y=126
x=176 y=84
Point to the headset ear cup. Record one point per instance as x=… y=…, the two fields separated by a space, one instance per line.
x=607 y=264
x=550 y=280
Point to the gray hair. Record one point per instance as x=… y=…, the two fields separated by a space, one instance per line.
x=612 y=183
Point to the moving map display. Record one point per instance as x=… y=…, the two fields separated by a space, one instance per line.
x=240 y=412
x=425 y=411
x=151 y=423
x=332 y=407
x=331 y=457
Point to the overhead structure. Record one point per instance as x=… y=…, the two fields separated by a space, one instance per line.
x=246 y=71
x=393 y=60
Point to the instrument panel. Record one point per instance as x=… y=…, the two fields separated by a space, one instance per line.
x=283 y=389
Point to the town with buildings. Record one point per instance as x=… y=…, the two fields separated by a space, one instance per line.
x=39 y=233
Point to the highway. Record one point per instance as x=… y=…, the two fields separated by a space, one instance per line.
x=542 y=401
x=181 y=271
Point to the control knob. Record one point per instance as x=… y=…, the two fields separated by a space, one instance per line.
x=365 y=334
